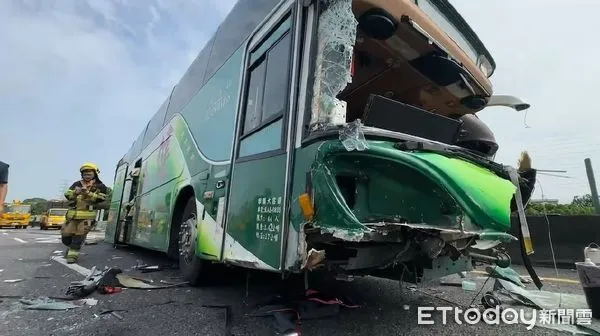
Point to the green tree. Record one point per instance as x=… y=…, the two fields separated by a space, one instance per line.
x=38 y=205
x=38 y=208
x=539 y=209
x=585 y=201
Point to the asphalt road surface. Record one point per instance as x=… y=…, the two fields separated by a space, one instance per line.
x=386 y=308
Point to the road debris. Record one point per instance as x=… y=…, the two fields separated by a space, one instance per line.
x=114 y=312
x=540 y=299
x=111 y=281
x=86 y=302
x=13 y=280
x=133 y=282
x=506 y=273
x=155 y=268
x=47 y=304
x=469 y=286
x=288 y=311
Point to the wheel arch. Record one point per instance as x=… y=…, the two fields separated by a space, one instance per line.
x=183 y=196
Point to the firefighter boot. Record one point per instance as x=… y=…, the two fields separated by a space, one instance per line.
x=72 y=256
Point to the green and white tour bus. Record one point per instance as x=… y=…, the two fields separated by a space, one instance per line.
x=322 y=135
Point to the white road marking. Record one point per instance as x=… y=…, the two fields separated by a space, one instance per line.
x=5 y=233
x=77 y=268
x=49 y=241
x=19 y=240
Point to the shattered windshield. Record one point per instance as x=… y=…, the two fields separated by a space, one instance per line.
x=356 y=77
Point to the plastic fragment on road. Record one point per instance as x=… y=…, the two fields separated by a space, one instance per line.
x=13 y=280
x=154 y=268
x=86 y=302
x=506 y=273
x=540 y=299
x=469 y=286
x=47 y=304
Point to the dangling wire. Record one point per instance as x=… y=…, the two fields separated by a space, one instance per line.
x=525 y=119
x=550 y=239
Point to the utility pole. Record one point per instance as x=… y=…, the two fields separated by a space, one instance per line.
x=592 y=181
x=64 y=185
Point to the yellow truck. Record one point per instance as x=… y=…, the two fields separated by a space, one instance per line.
x=16 y=214
x=55 y=215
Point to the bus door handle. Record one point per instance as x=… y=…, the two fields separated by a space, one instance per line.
x=220 y=184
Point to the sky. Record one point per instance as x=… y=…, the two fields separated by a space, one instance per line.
x=79 y=79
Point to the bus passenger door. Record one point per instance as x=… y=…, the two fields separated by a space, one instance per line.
x=128 y=206
x=256 y=206
x=112 y=224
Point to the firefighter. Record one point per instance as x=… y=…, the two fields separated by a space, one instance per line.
x=84 y=197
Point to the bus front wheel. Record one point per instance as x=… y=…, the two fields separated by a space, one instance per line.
x=190 y=265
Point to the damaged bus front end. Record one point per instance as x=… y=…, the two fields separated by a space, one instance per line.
x=383 y=184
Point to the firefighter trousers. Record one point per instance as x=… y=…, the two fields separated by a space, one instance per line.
x=74 y=232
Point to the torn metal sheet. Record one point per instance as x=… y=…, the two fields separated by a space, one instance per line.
x=506 y=273
x=336 y=38
x=314 y=259
x=543 y=299
x=485 y=244
x=47 y=304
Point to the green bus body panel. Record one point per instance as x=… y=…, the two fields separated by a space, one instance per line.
x=211 y=114
x=484 y=195
x=255 y=207
x=173 y=161
x=434 y=181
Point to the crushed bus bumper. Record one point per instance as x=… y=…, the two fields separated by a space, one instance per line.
x=381 y=206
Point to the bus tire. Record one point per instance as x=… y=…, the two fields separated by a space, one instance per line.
x=190 y=265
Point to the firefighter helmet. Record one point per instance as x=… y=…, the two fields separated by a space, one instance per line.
x=89 y=166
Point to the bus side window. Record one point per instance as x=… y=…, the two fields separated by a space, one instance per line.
x=267 y=95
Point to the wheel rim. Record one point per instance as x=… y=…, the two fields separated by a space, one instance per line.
x=187 y=239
